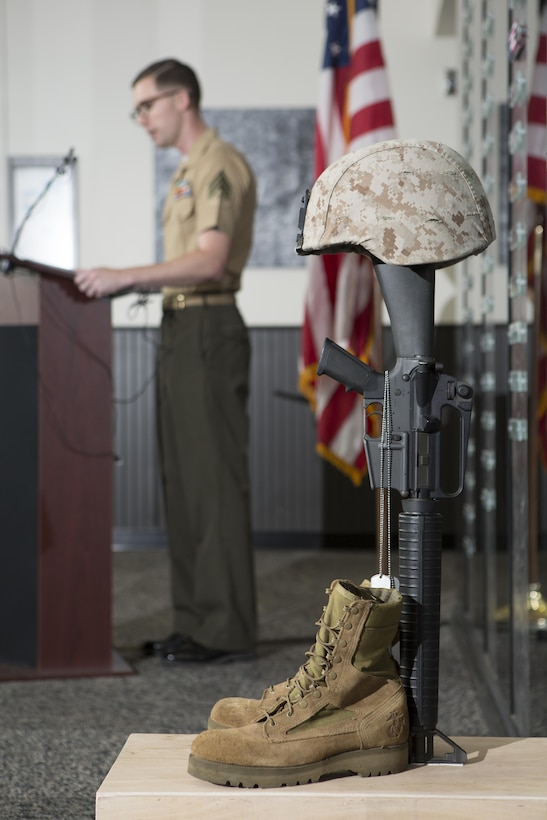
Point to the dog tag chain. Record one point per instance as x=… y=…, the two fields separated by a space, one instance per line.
x=381 y=580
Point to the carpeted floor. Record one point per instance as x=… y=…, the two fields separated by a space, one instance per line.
x=59 y=738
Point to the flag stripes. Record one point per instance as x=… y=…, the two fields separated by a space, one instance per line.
x=354 y=110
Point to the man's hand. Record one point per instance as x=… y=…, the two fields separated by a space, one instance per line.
x=205 y=264
x=99 y=282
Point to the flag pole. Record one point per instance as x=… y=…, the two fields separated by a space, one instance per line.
x=537 y=263
x=537 y=608
x=537 y=267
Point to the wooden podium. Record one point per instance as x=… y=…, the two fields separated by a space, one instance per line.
x=55 y=477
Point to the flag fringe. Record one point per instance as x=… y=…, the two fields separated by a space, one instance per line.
x=306 y=384
x=537 y=195
x=350 y=470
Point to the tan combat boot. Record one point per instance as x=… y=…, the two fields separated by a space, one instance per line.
x=345 y=712
x=237 y=711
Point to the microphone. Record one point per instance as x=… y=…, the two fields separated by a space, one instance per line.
x=67 y=161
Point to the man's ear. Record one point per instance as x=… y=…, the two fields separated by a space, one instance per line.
x=183 y=101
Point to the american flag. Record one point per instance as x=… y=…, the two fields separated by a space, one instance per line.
x=537 y=193
x=354 y=110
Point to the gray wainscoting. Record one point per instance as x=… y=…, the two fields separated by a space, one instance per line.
x=297 y=499
x=286 y=474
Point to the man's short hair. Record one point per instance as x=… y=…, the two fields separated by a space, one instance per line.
x=171 y=73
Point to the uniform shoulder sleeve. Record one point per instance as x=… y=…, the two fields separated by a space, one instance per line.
x=224 y=184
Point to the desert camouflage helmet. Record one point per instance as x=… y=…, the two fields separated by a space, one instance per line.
x=403 y=202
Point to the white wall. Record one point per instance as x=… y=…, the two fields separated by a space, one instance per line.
x=66 y=68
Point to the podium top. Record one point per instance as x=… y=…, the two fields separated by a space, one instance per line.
x=10 y=262
x=20 y=295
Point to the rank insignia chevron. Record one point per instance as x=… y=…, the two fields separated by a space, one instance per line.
x=220 y=185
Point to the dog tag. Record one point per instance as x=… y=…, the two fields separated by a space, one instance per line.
x=382 y=581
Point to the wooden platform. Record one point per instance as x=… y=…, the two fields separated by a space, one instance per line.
x=504 y=778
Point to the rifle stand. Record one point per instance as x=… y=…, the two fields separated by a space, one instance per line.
x=419 y=393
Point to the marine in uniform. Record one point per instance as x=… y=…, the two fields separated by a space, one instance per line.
x=202 y=395
x=203 y=371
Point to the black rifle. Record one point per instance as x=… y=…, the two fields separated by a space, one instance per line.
x=421 y=395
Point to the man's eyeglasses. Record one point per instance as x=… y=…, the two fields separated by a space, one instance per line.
x=145 y=106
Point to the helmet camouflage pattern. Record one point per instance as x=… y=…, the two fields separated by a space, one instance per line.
x=403 y=202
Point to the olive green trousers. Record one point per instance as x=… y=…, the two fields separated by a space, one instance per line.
x=203 y=427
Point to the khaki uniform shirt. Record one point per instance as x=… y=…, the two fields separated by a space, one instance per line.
x=213 y=188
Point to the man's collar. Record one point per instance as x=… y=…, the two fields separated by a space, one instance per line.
x=201 y=146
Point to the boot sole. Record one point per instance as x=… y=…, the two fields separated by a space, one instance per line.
x=365 y=763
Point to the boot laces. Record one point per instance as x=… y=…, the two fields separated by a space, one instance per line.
x=308 y=678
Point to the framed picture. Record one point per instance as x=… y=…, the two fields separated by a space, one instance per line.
x=278 y=144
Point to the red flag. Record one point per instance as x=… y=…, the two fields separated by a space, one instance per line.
x=537 y=193
x=354 y=110
x=537 y=120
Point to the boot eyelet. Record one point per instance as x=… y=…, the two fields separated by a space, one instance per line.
x=343 y=644
x=337 y=659
x=318 y=693
x=333 y=676
x=304 y=704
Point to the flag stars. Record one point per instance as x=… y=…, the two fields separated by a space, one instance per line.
x=333 y=9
